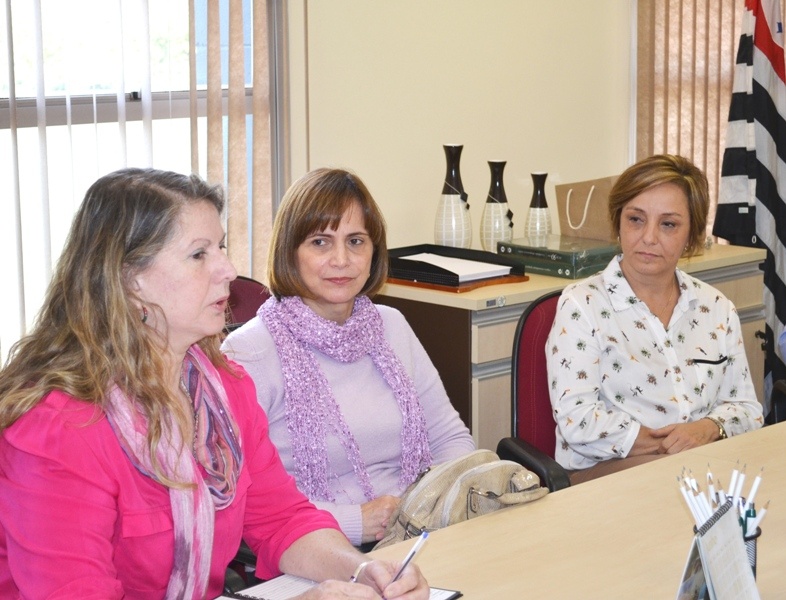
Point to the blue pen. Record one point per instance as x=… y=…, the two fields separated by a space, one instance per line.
x=415 y=549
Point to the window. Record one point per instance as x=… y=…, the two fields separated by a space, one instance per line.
x=90 y=86
x=686 y=53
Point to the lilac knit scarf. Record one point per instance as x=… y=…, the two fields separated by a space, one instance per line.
x=311 y=409
x=216 y=447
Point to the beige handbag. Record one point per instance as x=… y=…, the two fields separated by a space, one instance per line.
x=460 y=489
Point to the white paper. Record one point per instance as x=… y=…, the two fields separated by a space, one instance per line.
x=280 y=588
x=288 y=586
x=467 y=270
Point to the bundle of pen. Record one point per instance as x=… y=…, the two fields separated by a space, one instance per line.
x=703 y=503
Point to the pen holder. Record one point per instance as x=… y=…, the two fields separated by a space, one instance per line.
x=750 y=548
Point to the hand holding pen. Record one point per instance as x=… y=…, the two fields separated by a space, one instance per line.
x=407 y=559
x=413 y=551
x=377 y=574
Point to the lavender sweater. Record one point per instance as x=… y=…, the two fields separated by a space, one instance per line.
x=369 y=408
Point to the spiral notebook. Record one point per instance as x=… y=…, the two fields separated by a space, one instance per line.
x=717 y=566
x=288 y=586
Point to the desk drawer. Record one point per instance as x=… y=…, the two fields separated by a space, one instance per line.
x=745 y=292
x=491 y=410
x=492 y=341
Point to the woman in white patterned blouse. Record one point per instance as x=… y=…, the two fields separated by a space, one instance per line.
x=643 y=359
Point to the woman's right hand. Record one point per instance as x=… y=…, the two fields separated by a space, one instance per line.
x=376 y=576
x=376 y=516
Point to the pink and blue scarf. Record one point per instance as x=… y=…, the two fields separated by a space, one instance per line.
x=210 y=473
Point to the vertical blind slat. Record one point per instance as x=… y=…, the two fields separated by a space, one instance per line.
x=237 y=181
x=121 y=87
x=147 y=94
x=40 y=102
x=215 y=127
x=261 y=215
x=16 y=214
x=192 y=87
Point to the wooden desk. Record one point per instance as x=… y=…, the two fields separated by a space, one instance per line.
x=469 y=336
x=623 y=536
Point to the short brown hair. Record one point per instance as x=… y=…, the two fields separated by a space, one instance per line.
x=657 y=170
x=318 y=201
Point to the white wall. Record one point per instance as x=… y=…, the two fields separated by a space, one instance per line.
x=379 y=86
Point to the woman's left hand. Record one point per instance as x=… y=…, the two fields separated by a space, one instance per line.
x=410 y=586
x=684 y=436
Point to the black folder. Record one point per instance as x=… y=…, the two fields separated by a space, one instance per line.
x=415 y=270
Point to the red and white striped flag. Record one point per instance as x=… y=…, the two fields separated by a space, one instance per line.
x=752 y=198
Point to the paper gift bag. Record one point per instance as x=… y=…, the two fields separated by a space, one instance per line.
x=584 y=209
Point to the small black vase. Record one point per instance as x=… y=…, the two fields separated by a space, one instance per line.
x=538 y=217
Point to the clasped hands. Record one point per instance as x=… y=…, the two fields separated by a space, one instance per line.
x=674 y=438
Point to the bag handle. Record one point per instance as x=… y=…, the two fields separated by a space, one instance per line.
x=506 y=499
x=586 y=208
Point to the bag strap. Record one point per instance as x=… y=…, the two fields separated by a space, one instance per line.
x=586 y=208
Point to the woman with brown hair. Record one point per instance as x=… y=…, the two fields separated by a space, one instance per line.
x=643 y=359
x=356 y=408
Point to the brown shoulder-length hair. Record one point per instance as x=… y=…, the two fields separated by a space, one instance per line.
x=657 y=170
x=314 y=203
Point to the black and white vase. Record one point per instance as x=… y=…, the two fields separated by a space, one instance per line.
x=452 y=224
x=496 y=224
x=538 y=218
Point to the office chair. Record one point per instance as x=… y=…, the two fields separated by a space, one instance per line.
x=240 y=572
x=234 y=581
x=533 y=442
x=246 y=295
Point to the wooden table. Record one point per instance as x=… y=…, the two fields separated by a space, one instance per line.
x=623 y=536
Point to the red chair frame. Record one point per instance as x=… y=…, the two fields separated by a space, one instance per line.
x=534 y=440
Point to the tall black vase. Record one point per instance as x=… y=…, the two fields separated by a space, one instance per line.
x=452 y=224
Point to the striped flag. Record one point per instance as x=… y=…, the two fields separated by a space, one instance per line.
x=752 y=198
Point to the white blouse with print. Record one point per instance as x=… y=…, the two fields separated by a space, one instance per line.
x=612 y=365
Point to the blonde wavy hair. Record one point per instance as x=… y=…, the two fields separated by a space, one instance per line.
x=89 y=335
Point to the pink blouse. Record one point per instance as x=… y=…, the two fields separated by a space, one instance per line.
x=78 y=520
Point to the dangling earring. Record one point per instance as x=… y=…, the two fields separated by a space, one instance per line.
x=144 y=314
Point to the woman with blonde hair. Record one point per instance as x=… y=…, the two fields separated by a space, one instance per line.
x=133 y=455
